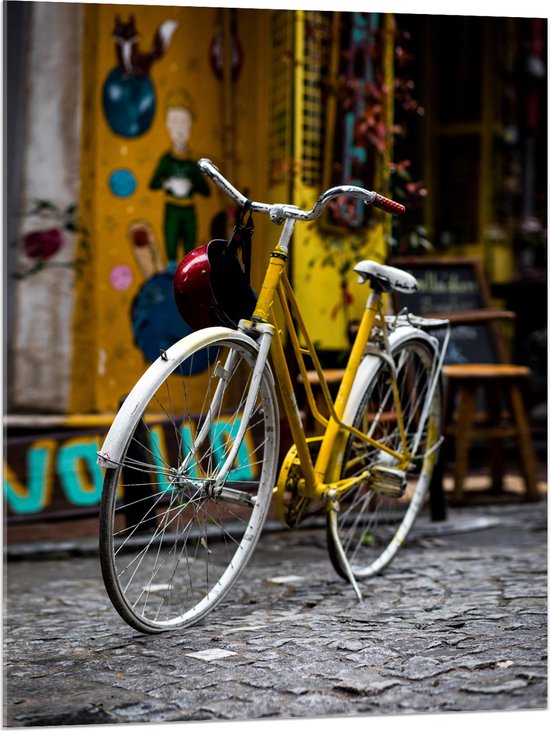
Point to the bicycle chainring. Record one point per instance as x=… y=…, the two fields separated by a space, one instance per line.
x=290 y=506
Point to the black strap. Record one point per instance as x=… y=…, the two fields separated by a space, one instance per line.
x=242 y=237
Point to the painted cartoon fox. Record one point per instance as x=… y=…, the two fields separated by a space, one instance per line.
x=130 y=58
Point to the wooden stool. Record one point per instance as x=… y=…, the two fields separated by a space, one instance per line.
x=504 y=417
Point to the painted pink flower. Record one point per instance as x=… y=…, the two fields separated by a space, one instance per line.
x=43 y=244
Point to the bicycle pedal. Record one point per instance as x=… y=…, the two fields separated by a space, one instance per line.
x=387 y=481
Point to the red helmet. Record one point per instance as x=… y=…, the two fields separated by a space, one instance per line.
x=210 y=287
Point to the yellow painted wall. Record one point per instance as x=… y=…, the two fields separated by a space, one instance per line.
x=106 y=361
x=317 y=285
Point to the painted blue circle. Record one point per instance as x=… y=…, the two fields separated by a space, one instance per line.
x=123 y=183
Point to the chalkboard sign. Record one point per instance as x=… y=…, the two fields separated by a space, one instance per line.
x=469 y=344
x=447 y=287
x=443 y=287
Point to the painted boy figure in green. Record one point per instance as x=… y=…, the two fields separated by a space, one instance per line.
x=180 y=178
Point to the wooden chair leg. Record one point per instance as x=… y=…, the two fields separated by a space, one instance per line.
x=527 y=452
x=495 y=444
x=438 y=502
x=464 y=423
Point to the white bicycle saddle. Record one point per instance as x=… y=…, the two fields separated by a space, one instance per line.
x=384 y=278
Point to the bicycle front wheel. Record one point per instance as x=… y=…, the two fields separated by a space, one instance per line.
x=173 y=536
x=376 y=514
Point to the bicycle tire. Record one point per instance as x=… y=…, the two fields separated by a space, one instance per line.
x=371 y=526
x=170 y=550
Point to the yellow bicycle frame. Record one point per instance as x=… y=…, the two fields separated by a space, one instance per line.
x=333 y=442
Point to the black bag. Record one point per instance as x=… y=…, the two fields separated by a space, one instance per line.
x=232 y=293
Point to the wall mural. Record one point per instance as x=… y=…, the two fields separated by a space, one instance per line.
x=129 y=97
x=156 y=322
x=144 y=204
x=129 y=105
x=122 y=183
x=180 y=178
x=52 y=226
x=52 y=474
x=151 y=205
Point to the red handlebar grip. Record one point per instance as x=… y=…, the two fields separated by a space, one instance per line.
x=388 y=205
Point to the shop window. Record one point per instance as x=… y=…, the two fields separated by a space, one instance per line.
x=354 y=113
x=458 y=189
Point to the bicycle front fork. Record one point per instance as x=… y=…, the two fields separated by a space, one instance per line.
x=265 y=331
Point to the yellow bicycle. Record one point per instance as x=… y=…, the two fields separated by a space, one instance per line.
x=192 y=457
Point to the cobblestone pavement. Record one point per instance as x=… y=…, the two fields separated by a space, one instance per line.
x=457 y=623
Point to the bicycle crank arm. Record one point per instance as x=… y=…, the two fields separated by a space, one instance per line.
x=388 y=481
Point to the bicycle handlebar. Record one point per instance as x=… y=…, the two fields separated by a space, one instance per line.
x=278 y=212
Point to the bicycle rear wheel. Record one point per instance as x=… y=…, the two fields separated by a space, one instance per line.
x=375 y=517
x=172 y=542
